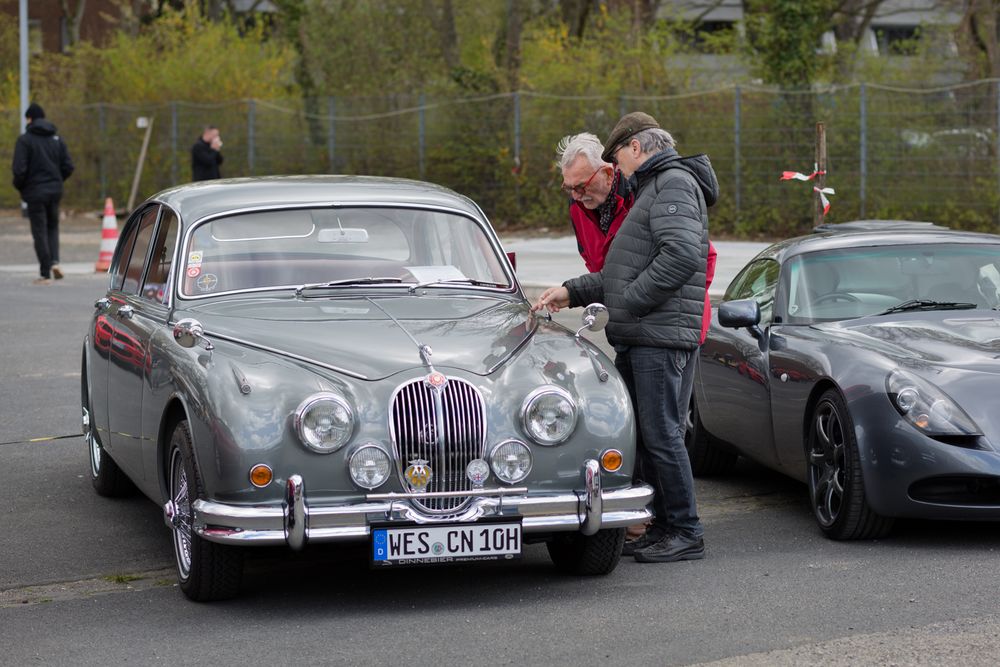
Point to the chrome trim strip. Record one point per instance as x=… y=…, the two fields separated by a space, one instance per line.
x=500 y=491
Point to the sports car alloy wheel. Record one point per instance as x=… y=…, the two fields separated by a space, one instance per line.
x=836 y=487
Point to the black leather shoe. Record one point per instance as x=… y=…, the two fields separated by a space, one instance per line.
x=641 y=542
x=671 y=548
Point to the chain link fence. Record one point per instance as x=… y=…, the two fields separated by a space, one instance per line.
x=923 y=154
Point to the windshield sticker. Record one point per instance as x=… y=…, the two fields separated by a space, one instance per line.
x=207 y=282
x=195 y=258
x=193 y=271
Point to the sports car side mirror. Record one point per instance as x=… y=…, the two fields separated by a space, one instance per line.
x=741 y=313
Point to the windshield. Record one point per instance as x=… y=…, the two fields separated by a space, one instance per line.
x=855 y=282
x=346 y=246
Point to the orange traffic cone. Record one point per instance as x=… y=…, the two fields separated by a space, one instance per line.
x=109 y=237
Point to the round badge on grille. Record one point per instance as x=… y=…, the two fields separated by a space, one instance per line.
x=418 y=475
x=477 y=471
x=436 y=380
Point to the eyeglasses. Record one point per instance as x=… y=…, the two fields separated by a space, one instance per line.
x=581 y=189
x=618 y=148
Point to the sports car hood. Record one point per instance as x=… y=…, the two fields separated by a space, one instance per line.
x=358 y=335
x=967 y=340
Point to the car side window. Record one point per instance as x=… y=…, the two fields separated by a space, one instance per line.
x=136 y=262
x=157 y=284
x=758 y=281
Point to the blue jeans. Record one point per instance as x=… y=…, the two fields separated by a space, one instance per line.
x=659 y=381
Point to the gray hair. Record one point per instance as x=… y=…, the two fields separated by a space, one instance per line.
x=654 y=140
x=573 y=145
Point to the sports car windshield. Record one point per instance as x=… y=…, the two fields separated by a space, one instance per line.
x=319 y=250
x=856 y=282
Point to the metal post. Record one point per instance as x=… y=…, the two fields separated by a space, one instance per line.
x=251 y=112
x=421 y=138
x=22 y=26
x=821 y=177
x=331 y=133
x=517 y=130
x=102 y=139
x=862 y=187
x=737 y=123
x=997 y=137
x=173 y=142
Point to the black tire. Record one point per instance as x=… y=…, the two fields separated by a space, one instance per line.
x=598 y=554
x=205 y=570
x=707 y=457
x=107 y=478
x=836 y=483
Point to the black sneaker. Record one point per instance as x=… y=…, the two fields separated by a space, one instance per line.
x=671 y=548
x=647 y=539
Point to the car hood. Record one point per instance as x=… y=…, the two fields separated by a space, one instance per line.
x=965 y=340
x=377 y=337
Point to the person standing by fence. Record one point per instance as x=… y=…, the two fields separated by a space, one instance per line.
x=206 y=155
x=41 y=164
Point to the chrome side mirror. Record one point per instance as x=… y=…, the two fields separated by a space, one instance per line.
x=188 y=332
x=595 y=318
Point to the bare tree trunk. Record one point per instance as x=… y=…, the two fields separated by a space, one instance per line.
x=978 y=39
x=444 y=23
x=74 y=18
x=574 y=14
x=512 y=43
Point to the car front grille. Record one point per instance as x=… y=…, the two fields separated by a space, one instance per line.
x=445 y=427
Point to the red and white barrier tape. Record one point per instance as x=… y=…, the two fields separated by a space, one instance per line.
x=823 y=192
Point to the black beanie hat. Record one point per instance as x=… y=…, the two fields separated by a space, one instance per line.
x=34 y=112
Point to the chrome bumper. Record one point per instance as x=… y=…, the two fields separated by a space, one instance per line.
x=296 y=522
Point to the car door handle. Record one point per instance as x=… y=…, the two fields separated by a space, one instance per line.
x=102 y=304
x=126 y=312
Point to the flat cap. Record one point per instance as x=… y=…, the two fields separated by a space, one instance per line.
x=628 y=126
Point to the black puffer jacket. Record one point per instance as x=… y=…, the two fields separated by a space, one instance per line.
x=653 y=281
x=41 y=162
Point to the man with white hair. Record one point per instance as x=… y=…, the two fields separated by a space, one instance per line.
x=600 y=196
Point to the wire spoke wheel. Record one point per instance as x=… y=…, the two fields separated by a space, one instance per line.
x=179 y=494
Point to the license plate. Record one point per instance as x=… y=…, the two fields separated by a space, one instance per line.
x=425 y=545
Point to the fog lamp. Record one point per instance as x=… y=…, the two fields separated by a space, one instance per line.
x=261 y=475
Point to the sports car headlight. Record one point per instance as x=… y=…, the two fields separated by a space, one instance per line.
x=369 y=466
x=324 y=422
x=549 y=415
x=511 y=461
x=927 y=407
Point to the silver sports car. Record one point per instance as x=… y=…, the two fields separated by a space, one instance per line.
x=866 y=364
x=287 y=361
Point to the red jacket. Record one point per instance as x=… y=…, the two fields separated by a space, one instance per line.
x=706 y=319
x=591 y=241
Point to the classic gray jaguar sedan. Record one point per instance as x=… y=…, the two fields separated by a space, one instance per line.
x=295 y=360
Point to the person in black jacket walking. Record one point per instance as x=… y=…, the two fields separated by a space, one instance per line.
x=41 y=164
x=206 y=155
x=653 y=283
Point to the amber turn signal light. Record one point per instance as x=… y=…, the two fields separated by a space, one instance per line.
x=260 y=475
x=611 y=460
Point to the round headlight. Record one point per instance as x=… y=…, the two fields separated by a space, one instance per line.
x=369 y=466
x=511 y=461
x=324 y=422
x=549 y=415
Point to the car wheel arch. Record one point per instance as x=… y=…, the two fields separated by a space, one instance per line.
x=820 y=388
x=175 y=412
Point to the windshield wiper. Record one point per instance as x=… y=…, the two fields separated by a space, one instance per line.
x=347 y=281
x=458 y=281
x=927 y=304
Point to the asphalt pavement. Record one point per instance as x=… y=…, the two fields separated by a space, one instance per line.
x=86 y=580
